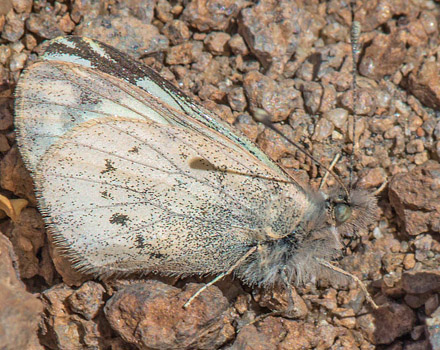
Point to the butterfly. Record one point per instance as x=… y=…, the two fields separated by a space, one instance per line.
x=133 y=176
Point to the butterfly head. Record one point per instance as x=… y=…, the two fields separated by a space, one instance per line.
x=352 y=211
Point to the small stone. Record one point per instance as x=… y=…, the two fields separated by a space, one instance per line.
x=17 y=62
x=338 y=117
x=87 y=299
x=416 y=198
x=237 y=99
x=323 y=130
x=386 y=324
x=278 y=300
x=66 y=24
x=385 y=54
x=344 y=317
x=423 y=83
x=421 y=282
x=5 y=53
x=150 y=315
x=433 y=329
x=137 y=39
x=185 y=53
x=415 y=146
x=20 y=310
x=213 y=14
x=276 y=99
x=176 y=31
x=44 y=25
x=13 y=29
x=431 y=304
x=30 y=42
x=22 y=5
x=163 y=11
x=373 y=178
x=238 y=46
x=409 y=261
x=217 y=43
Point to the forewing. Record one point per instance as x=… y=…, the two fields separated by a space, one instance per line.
x=108 y=60
x=143 y=196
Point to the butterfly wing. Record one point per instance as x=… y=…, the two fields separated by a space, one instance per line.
x=119 y=74
x=135 y=195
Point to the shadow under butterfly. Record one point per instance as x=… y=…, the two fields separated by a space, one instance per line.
x=133 y=176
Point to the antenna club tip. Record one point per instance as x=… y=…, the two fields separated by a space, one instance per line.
x=262 y=116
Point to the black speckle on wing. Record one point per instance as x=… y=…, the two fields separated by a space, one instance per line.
x=119 y=219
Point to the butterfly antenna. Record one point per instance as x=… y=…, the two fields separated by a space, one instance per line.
x=355 y=49
x=263 y=117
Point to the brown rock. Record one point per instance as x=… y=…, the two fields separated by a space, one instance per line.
x=127 y=33
x=433 y=330
x=87 y=299
x=13 y=28
x=383 y=56
x=421 y=282
x=29 y=240
x=238 y=46
x=14 y=177
x=372 y=178
x=423 y=83
x=60 y=329
x=281 y=334
x=237 y=99
x=141 y=9
x=416 y=198
x=278 y=100
x=185 y=53
x=323 y=129
x=20 y=311
x=278 y=300
x=151 y=316
x=213 y=14
x=389 y=322
x=176 y=31
x=44 y=25
x=22 y=5
x=273 y=30
x=217 y=43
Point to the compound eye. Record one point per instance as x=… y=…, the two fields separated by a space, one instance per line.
x=342 y=213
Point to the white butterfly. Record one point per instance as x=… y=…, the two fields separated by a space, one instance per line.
x=134 y=176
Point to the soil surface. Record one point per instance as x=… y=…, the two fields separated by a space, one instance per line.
x=293 y=59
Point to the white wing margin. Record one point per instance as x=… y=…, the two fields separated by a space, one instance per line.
x=135 y=195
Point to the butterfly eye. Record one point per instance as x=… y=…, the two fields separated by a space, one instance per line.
x=342 y=213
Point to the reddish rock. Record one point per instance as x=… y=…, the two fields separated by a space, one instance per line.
x=423 y=83
x=186 y=53
x=20 y=311
x=13 y=28
x=14 y=177
x=151 y=316
x=87 y=300
x=278 y=100
x=273 y=29
x=212 y=14
x=176 y=31
x=416 y=198
x=278 y=300
x=421 y=282
x=137 y=39
x=386 y=324
x=44 y=25
x=383 y=56
x=217 y=43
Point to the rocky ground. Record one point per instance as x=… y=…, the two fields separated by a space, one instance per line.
x=293 y=59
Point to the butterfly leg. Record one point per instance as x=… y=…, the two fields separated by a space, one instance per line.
x=219 y=277
x=354 y=278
